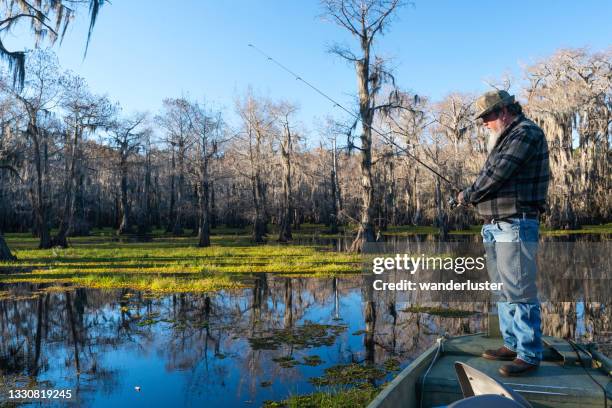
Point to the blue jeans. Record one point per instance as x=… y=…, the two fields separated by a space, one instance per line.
x=511 y=249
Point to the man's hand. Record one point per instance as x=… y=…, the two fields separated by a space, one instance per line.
x=460 y=199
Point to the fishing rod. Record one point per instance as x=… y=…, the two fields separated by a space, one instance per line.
x=452 y=201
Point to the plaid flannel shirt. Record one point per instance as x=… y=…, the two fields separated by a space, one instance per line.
x=515 y=176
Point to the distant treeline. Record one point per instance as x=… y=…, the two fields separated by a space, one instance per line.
x=71 y=160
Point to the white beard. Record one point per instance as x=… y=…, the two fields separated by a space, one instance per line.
x=492 y=138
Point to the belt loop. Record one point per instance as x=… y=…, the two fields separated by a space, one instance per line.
x=524 y=215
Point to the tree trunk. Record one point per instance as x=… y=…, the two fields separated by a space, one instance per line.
x=144 y=219
x=416 y=219
x=204 y=221
x=5 y=252
x=336 y=197
x=213 y=206
x=178 y=226
x=42 y=213
x=60 y=238
x=259 y=226
x=124 y=228
x=441 y=217
x=257 y=188
x=79 y=225
x=365 y=233
x=171 y=215
x=334 y=216
x=284 y=233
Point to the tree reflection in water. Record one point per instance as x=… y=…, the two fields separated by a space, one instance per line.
x=189 y=348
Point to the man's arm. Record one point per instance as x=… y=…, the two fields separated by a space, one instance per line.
x=517 y=151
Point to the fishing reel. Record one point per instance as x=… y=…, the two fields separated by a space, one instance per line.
x=453 y=203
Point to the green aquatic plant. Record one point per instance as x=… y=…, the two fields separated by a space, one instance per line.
x=147 y=322
x=349 y=374
x=167 y=264
x=337 y=398
x=312 y=360
x=308 y=335
x=392 y=364
x=286 y=361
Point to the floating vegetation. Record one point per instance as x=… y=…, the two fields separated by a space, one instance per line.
x=265 y=384
x=313 y=360
x=301 y=337
x=147 y=322
x=150 y=319
x=357 y=375
x=343 y=398
x=350 y=386
x=180 y=325
x=359 y=332
x=168 y=264
x=392 y=364
x=286 y=361
x=440 y=311
x=349 y=374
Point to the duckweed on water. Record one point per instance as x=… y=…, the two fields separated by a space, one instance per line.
x=392 y=364
x=313 y=360
x=167 y=264
x=301 y=337
x=147 y=322
x=286 y=361
x=343 y=398
x=349 y=374
x=346 y=386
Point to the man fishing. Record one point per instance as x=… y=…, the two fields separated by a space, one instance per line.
x=509 y=194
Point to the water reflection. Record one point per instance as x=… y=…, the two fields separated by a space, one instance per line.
x=343 y=243
x=227 y=348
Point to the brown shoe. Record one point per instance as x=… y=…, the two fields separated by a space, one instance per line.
x=517 y=368
x=503 y=353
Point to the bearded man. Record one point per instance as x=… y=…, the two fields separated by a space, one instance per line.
x=509 y=194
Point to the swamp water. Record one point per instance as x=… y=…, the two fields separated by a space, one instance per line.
x=278 y=337
x=221 y=349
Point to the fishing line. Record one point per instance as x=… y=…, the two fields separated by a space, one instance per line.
x=354 y=115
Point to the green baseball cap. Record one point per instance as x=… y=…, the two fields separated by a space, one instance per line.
x=491 y=101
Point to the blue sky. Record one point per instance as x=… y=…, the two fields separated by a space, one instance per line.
x=145 y=50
